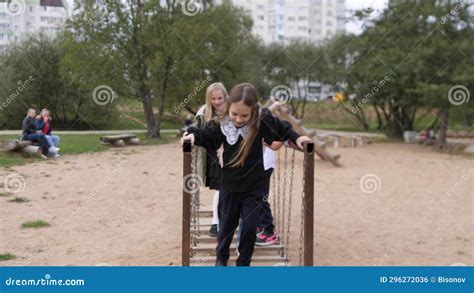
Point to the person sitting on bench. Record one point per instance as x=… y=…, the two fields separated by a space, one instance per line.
x=31 y=133
x=43 y=123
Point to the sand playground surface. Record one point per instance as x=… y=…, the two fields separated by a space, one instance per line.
x=123 y=207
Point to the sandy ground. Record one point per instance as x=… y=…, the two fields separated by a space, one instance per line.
x=123 y=207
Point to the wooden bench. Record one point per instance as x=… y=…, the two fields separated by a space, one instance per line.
x=25 y=146
x=120 y=140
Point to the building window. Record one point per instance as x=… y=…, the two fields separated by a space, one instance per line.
x=291 y=19
x=302 y=18
x=31 y=8
x=329 y=23
x=261 y=17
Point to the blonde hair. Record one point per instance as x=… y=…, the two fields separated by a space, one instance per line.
x=246 y=93
x=209 y=110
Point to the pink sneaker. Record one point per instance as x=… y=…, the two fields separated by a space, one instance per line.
x=265 y=239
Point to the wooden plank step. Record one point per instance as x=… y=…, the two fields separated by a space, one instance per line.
x=204 y=222
x=205 y=238
x=256 y=260
x=211 y=248
x=205 y=214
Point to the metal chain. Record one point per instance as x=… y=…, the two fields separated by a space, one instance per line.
x=302 y=216
x=290 y=207
x=277 y=224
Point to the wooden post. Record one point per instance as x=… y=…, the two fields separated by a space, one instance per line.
x=186 y=236
x=308 y=204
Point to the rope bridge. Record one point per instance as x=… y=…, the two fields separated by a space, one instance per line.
x=199 y=249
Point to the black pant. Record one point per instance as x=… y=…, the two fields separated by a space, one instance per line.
x=232 y=206
x=266 y=219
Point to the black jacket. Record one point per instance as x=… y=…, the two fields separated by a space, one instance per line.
x=251 y=176
x=29 y=126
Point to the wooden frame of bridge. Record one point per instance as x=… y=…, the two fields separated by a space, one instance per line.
x=308 y=205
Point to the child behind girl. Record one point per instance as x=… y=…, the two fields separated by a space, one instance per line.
x=241 y=130
x=216 y=94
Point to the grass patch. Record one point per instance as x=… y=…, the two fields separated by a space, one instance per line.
x=34 y=224
x=2 y=194
x=19 y=199
x=6 y=256
x=74 y=144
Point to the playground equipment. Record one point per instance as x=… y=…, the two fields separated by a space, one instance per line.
x=199 y=249
x=281 y=110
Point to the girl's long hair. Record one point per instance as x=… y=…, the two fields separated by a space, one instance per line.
x=209 y=111
x=246 y=93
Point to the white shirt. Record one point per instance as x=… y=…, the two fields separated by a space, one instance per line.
x=269 y=158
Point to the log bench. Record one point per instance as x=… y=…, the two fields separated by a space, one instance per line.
x=25 y=146
x=120 y=140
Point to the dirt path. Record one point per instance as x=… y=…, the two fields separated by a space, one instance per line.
x=123 y=207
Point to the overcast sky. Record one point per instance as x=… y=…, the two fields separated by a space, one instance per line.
x=351 y=5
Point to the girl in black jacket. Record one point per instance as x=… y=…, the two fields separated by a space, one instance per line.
x=241 y=131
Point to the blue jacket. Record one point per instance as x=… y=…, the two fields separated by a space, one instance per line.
x=40 y=125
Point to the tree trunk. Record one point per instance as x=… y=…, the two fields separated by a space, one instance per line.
x=442 y=136
x=395 y=129
x=162 y=95
x=379 y=118
x=148 y=109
